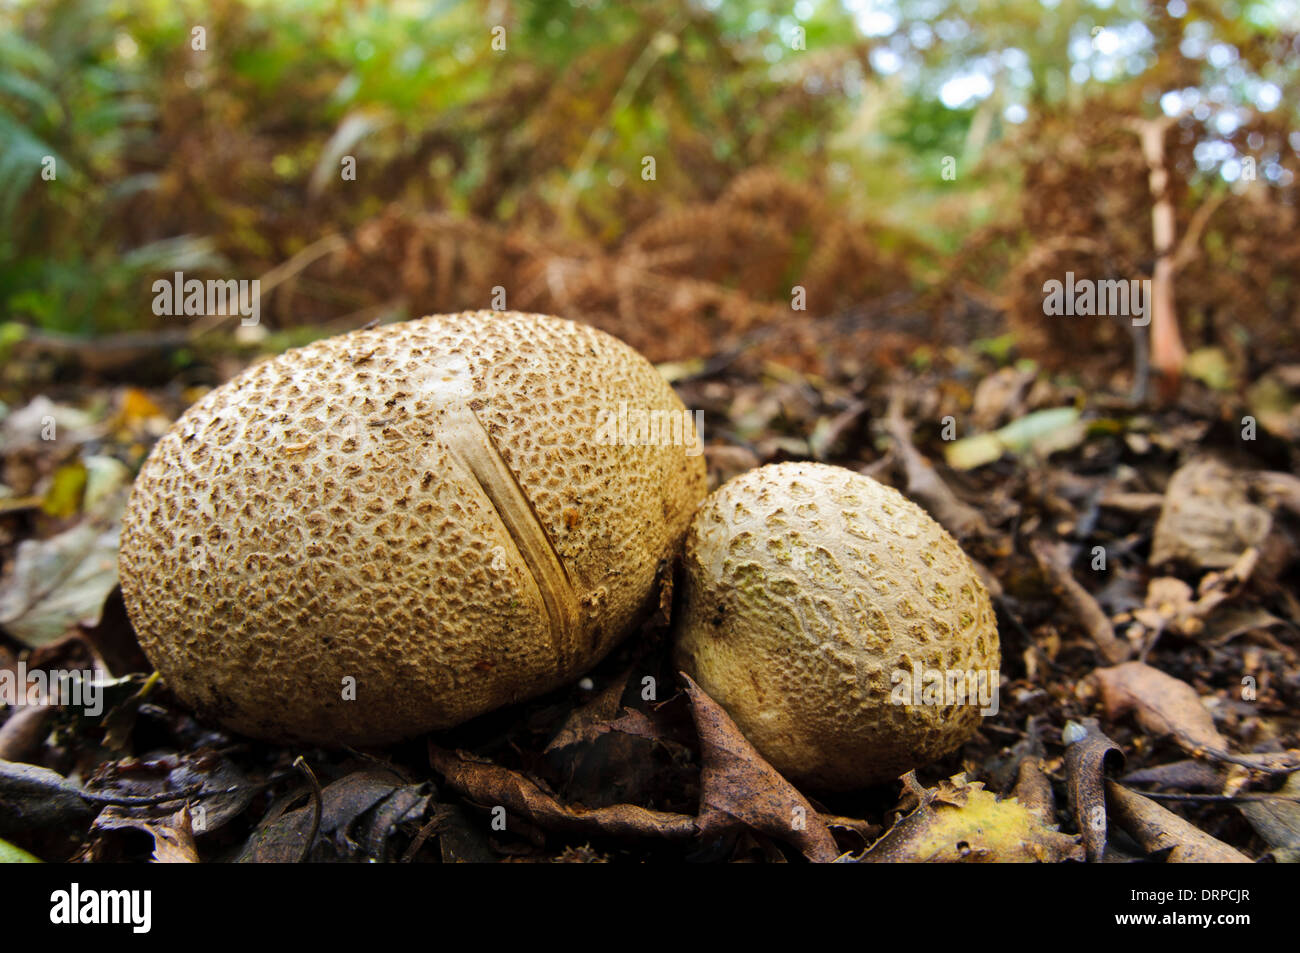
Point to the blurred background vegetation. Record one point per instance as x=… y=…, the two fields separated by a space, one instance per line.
x=792 y=143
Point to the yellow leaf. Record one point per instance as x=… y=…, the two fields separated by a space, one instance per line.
x=960 y=822
x=63 y=498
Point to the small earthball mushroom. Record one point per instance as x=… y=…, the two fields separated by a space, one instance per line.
x=397 y=529
x=817 y=602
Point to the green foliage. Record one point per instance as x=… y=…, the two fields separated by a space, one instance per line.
x=169 y=158
x=70 y=112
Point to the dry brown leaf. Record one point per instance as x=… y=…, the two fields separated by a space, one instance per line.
x=219 y=790
x=284 y=838
x=1171 y=603
x=1207 y=519
x=1234 y=620
x=56 y=583
x=591 y=720
x=491 y=785
x=406 y=803
x=1280 y=490
x=1168 y=706
x=605 y=713
x=641 y=724
x=1157 y=829
x=1168 y=604
x=1278 y=821
x=1164 y=705
x=173 y=834
x=737 y=785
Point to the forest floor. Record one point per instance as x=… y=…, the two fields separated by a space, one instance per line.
x=1143 y=562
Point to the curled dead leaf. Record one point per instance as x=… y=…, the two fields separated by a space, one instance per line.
x=1086 y=756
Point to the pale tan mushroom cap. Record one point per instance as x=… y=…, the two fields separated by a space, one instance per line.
x=807 y=587
x=431 y=509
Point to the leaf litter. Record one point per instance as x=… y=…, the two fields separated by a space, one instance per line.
x=1155 y=681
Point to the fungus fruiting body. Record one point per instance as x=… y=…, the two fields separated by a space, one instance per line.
x=829 y=615
x=397 y=529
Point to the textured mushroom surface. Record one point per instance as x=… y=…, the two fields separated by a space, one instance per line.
x=431 y=514
x=813 y=597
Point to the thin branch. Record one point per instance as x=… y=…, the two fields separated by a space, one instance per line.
x=301 y=764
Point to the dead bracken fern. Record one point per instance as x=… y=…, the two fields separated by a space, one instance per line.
x=692 y=281
x=1086 y=207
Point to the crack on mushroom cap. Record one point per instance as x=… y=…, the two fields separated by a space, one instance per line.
x=473 y=448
